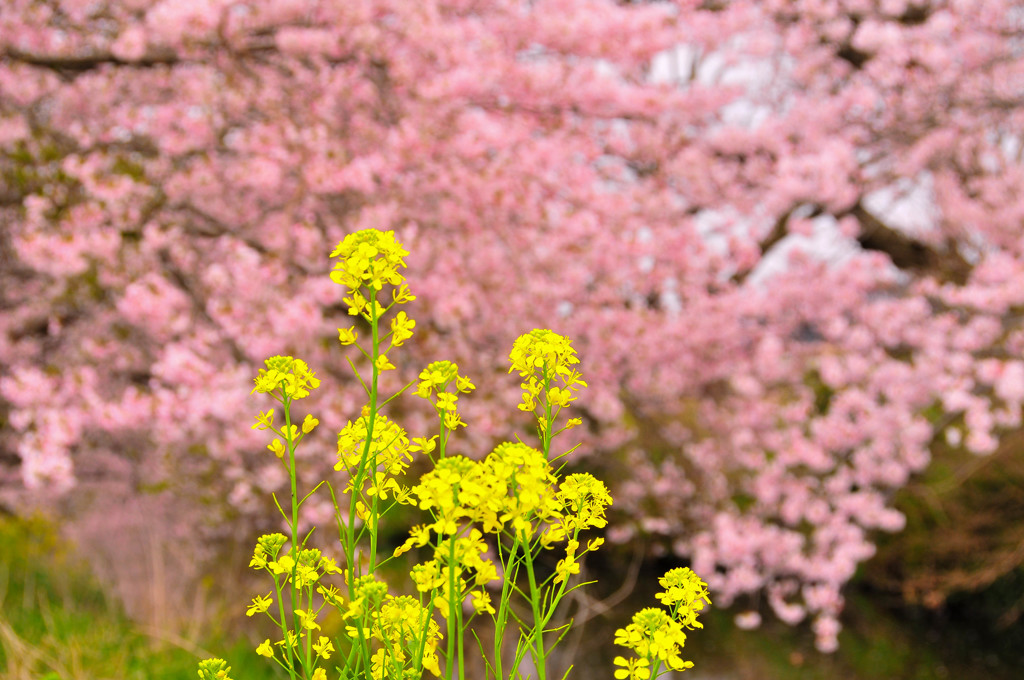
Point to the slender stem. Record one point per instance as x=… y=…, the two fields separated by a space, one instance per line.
x=375 y=353
x=540 y=658
x=450 y=619
x=294 y=523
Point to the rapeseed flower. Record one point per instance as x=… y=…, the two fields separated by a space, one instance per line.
x=369 y=258
x=291 y=376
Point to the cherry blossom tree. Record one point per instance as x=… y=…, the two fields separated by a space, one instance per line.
x=784 y=234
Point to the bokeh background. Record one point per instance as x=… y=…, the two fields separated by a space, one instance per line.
x=785 y=236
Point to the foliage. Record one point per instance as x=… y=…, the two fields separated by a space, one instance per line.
x=778 y=232
x=56 y=622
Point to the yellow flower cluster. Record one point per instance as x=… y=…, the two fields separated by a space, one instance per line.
x=657 y=637
x=433 y=386
x=214 y=669
x=513 y=491
x=387 y=455
x=454 y=564
x=305 y=569
x=515 y=494
x=291 y=376
x=400 y=625
x=685 y=595
x=368 y=260
x=544 y=359
x=525 y=490
x=389 y=447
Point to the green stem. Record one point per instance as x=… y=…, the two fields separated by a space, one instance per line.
x=450 y=619
x=294 y=523
x=537 y=634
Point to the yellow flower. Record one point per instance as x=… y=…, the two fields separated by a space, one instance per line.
x=401 y=329
x=214 y=669
x=259 y=605
x=308 y=424
x=453 y=420
x=347 y=336
x=541 y=349
x=264 y=421
x=560 y=397
x=323 y=648
x=291 y=376
x=369 y=258
x=401 y=295
x=383 y=364
x=481 y=602
x=446 y=401
x=633 y=669
x=283 y=565
x=424 y=444
x=566 y=568
x=307 y=619
x=265 y=649
x=381 y=485
x=320 y=674
x=277 y=447
x=419 y=536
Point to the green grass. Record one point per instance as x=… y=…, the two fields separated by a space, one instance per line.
x=56 y=622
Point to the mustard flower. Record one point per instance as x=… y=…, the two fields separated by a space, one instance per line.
x=632 y=669
x=266 y=545
x=437 y=376
x=265 y=420
x=400 y=624
x=434 y=380
x=265 y=649
x=259 y=604
x=307 y=619
x=214 y=669
x=419 y=535
x=566 y=568
x=369 y=258
x=323 y=648
x=347 y=336
x=542 y=349
x=401 y=295
x=389 y=446
x=277 y=447
x=453 y=420
x=685 y=594
x=481 y=601
x=381 y=485
x=308 y=424
x=542 y=357
x=446 y=401
x=654 y=634
x=370 y=590
x=319 y=674
x=329 y=566
x=584 y=498
x=401 y=329
x=427 y=576
x=423 y=444
x=526 y=482
x=443 y=490
x=291 y=376
x=283 y=565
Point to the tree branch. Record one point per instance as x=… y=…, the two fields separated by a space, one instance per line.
x=76 y=63
x=908 y=253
